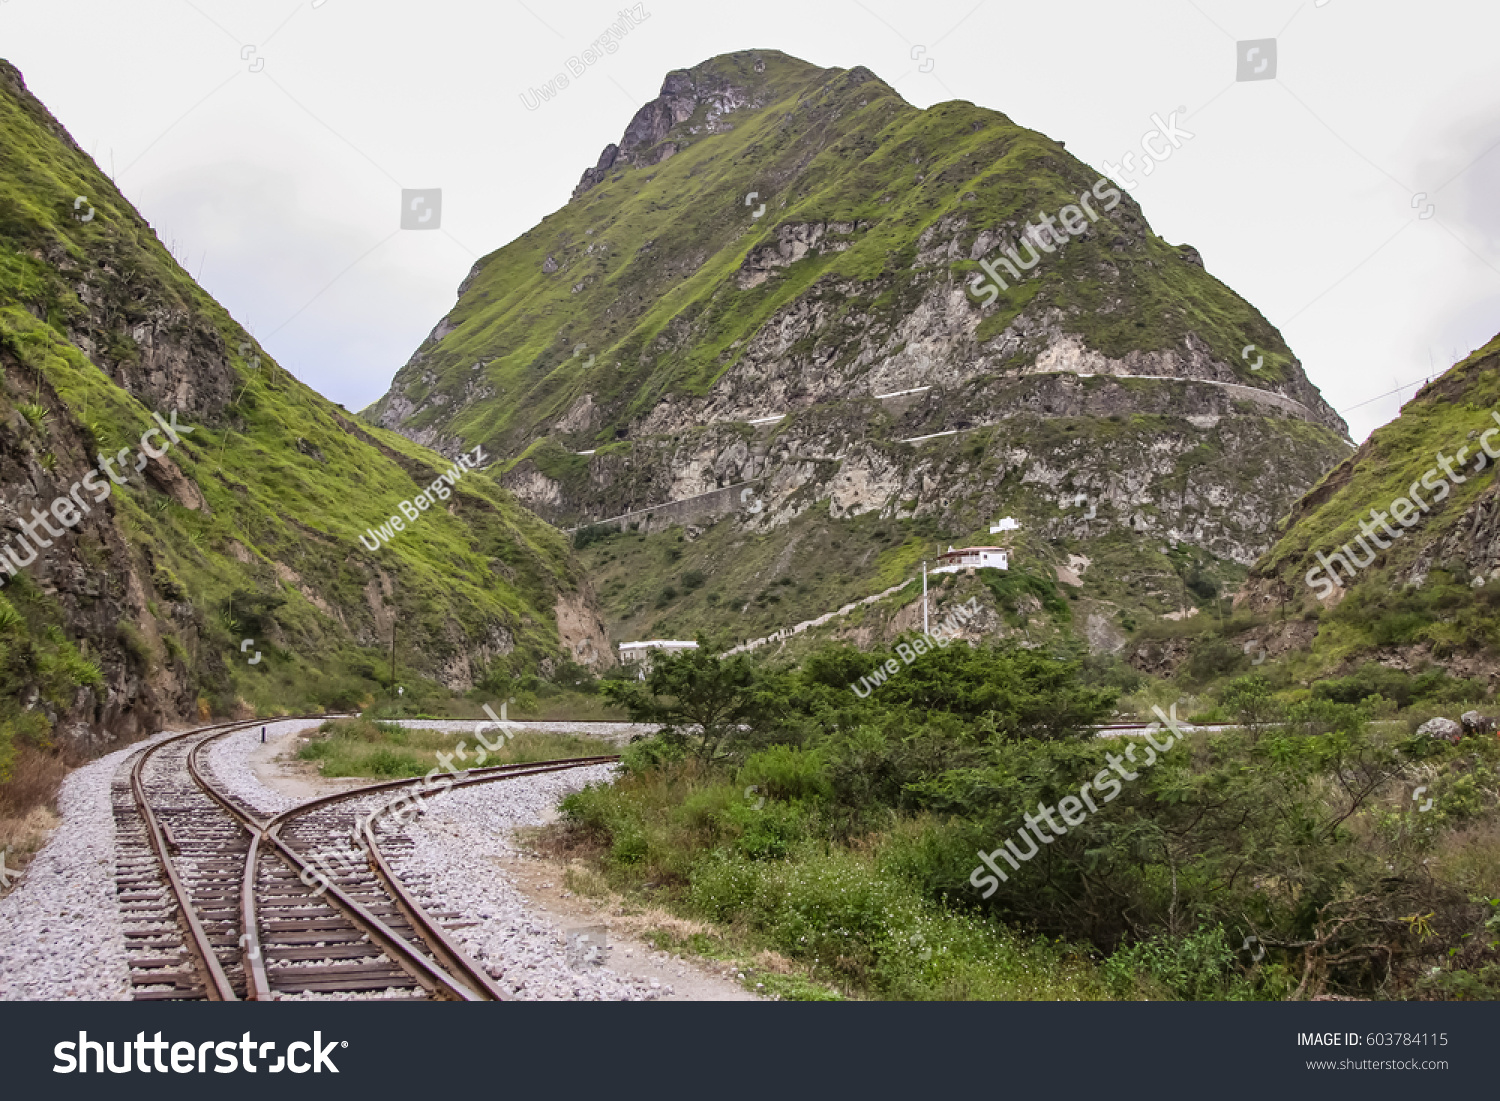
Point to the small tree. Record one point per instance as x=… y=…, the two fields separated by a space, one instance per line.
x=700 y=699
x=1250 y=700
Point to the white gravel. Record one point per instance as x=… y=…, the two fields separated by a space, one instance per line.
x=454 y=866
x=230 y=761
x=61 y=938
x=60 y=932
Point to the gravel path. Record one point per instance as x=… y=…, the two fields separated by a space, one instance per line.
x=230 y=761
x=60 y=933
x=454 y=864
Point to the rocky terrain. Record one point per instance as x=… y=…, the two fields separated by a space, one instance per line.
x=760 y=308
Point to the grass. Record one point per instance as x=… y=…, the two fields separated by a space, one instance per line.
x=691 y=843
x=254 y=530
x=386 y=751
x=1441 y=418
x=762 y=971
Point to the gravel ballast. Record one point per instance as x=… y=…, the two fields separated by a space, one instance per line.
x=454 y=864
x=60 y=932
x=61 y=938
x=61 y=935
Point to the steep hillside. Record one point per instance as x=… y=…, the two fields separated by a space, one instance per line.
x=1395 y=555
x=665 y=335
x=173 y=560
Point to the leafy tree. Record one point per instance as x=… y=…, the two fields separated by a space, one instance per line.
x=1250 y=700
x=1012 y=692
x=700 y=699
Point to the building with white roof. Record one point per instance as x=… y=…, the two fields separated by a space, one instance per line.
x=632 y=653
x=973 y=558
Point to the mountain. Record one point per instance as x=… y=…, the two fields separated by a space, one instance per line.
x=1394 y=557
x=760 y=308
x=208 y=547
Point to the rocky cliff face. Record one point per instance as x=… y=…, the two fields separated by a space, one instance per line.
x=752 y=282
x=244 y=528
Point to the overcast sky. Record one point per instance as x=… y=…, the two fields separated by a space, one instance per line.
x=1352 y=198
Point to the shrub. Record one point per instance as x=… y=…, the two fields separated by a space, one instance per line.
x=1198 y=966
x=1249 y=700
x=594 y=533
x=786 y=772
x=652 y=753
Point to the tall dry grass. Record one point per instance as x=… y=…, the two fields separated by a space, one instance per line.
x=28 y=802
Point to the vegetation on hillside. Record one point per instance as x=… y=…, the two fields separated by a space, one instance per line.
x=629 y=268
x=243 y=540
x=844 y=832
x=1429 y=594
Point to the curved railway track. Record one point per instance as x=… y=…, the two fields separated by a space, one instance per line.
x=221 y=902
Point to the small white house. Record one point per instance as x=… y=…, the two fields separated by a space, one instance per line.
x=632 y=653
x=973 y=558
x=1009 y=523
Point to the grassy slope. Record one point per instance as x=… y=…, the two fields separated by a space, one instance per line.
x=648 y=256
x=1441 y=418
x=454 y=577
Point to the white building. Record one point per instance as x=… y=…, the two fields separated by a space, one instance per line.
x=972 y=558
x=632 y=653
x=1007 y=524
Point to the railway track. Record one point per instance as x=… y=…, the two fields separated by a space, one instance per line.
x=221 y=902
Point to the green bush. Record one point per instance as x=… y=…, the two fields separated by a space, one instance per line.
x=765 y=831
x=1403 y=688
x=393 y=763
x=594 y=533
x=787 y=772
x=1197 y=966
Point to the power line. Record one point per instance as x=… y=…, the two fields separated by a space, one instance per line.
x=1387 y=394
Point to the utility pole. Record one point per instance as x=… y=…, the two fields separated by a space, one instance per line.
x=924 y=597
x=393 y=651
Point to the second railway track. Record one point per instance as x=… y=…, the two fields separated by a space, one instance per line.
x=223 y=902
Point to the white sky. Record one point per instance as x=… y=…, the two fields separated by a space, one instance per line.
x=283 y=185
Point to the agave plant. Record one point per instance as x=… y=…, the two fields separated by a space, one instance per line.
x=36 y=415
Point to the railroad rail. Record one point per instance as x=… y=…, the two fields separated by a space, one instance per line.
x=223 y=903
